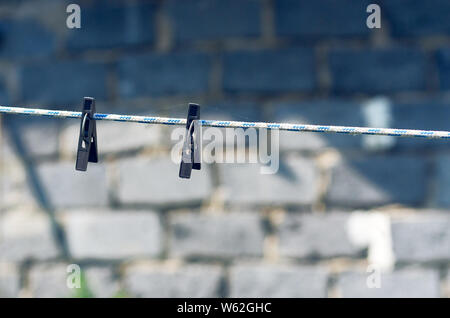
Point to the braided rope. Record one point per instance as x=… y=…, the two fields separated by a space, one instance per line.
x=234 y=124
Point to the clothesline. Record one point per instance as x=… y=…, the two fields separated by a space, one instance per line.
x=234 y=124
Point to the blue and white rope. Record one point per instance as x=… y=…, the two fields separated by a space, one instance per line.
x=234 y=124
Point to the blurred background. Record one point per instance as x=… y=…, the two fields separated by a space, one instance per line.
x=343 y=215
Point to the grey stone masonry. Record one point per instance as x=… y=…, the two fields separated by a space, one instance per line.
x=447 y=285
x=101 y=281
x=16 y=35
x=156 y=181
x=378 y=180
x=443 y=179
x=115 y=137
x=316 y=235
x=326 y=112
x=269 y=71
x=9 y=280
x=443 y=57
x=216 y=235
x=14 y=189
x=63 y=82
x=39 y=135
x=423 y=238
x=26 y=235
x=426 y=115
x=49 y=280
x=308 y=19
x=309 y=217
x=187 y=281
x=377 y=71
x=399 y=284
x=113 y=235
x=66 y=187
x=191 y=16
x=260 y=280
x=411 y=18
x=295 y=183
x=122 y=25
x=164 y=74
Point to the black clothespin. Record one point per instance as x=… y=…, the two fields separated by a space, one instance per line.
x=192 y=149
x=87 y=143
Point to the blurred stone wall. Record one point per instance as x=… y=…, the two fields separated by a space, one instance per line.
x=339 y=208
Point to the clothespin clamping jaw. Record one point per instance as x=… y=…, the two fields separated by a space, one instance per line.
x=192 y=148
x=87 y=142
